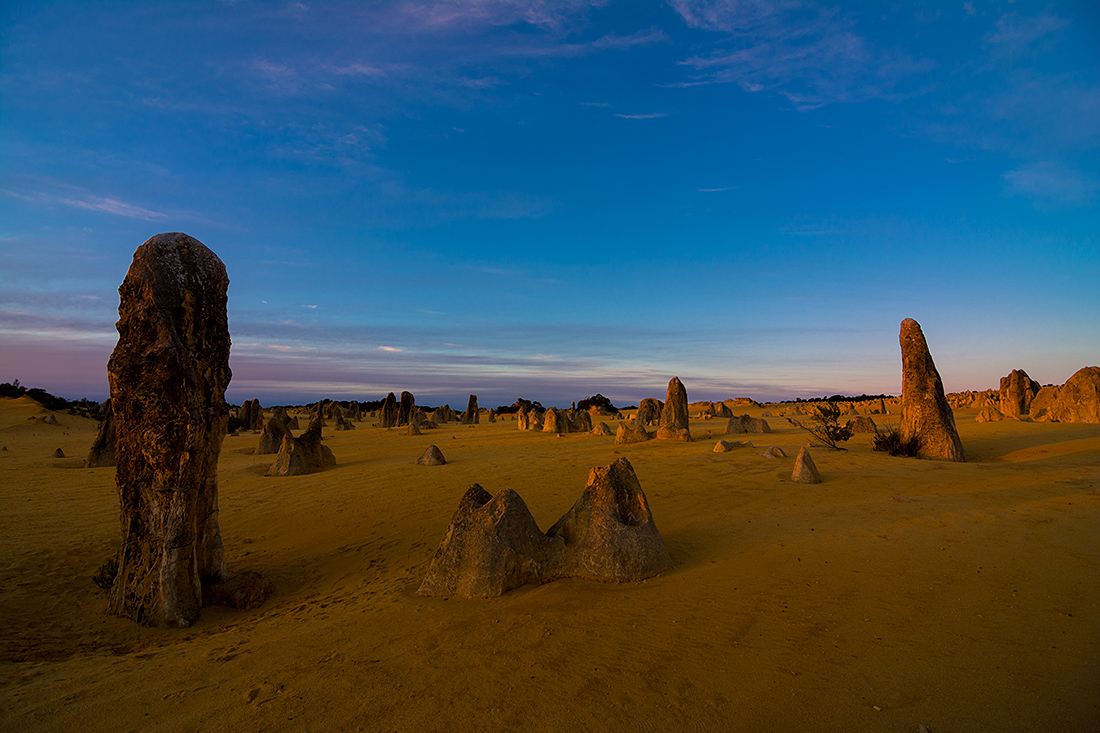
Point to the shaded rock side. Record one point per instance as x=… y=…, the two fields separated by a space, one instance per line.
x=431 y=457
x=1042 y=402
x=406 y=410
x=674 y=415
x=168 y=375
x=1078 y=400
x=805 y=470
x=491 y=546
x=271 y=437
x=471 y=416
x=609 y=534
x=389 y=412
x=304 y=454
x=102 y=452
x=649 y=412
x=925 y=413
x=1017 y=391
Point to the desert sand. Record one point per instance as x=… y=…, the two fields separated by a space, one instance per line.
x=898 y=593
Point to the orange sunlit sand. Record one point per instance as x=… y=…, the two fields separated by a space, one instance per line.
x=897 y=593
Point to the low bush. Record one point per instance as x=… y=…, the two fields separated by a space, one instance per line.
x=893 y=443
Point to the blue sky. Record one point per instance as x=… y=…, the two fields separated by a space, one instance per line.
x=553 y=199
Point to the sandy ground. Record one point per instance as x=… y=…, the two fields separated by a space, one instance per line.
x=898 y=593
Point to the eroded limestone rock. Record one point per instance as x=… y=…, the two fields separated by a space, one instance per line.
x=168 y=376
x=1017 y=391
x=304 y=454
x=271 y=437
x=432 y=457
x=924 y=409
x=805 y=471
x=1078 y=400
x=674 y=415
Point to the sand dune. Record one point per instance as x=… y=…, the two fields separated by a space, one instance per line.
x=897 y=593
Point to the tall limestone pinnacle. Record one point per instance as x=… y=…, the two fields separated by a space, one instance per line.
x=924 y=409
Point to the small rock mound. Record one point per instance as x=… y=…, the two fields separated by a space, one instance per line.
x=774 y=452
x=59 y=453
x=432 y=457
x=862 y=424
x=989 y=413
x=805 y=471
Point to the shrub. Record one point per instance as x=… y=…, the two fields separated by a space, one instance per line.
x=893 y=443
x=825 y=425
x=105 y=576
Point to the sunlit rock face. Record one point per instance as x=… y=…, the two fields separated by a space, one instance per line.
x=924 y=409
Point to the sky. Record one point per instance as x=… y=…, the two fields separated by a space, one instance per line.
x=551 y=199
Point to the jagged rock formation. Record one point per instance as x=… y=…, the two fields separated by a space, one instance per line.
x=471 y=416
x=746 y=424
x=102 y=452
x=925 y=413
x=523 y=421
x=721 y=409
x=601 y=429
x=491 y=546
x=252 y=415
x=581 y=422
x=1078 y=400
x=413 y=428
x=805 y=471
x=863 y=424
x=304 y=454
x=168 y=376
x=271 y=437
x=494 y=545
x=609 y=533
x=1017 y=391
x=492 y=415
x=555 y=422
x=342 y=423
x=626 y=434
x=388 y=414
x=674 y=416
x=649 y=412
x=432 y=457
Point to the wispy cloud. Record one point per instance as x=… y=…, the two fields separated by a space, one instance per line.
x=811 y=55
x=717 y=190
x=1050 y=183
x=1015 y=33
x=650 y=116
x=76 y=198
